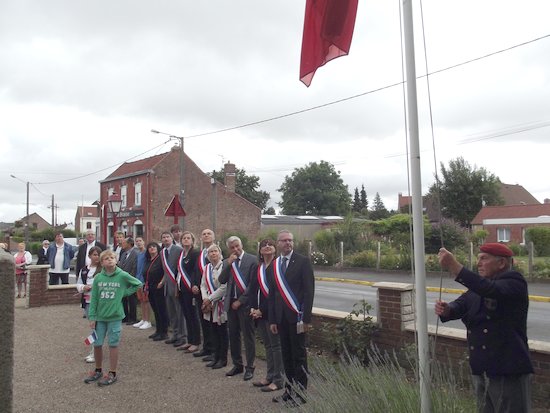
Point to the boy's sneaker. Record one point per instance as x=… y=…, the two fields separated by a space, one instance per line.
x=107 y=380
x=94 y=376
x=138 y=324
x=145 y=325
x=90 y=358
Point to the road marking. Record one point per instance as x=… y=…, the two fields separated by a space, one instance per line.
x=538 y=298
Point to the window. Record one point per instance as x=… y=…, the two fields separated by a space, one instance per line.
x=503 y=234
x=88 y=225
x=137 y=189
x=123 y=195
x=110 y=191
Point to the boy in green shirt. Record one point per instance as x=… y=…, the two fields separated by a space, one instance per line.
x=106 y=313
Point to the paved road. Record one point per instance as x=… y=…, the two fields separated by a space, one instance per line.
x=342 y=297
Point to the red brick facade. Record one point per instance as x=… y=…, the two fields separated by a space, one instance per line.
x=207 y=205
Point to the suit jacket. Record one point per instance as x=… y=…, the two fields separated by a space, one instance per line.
x=128 y=261
x=300 y=279
x=175 y=251
x=255 y=296
x=494 y=312
x=248 y=266
x=42 y=258
x=189 y=264
x=81 y=257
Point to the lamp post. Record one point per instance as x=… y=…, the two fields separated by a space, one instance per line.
x=27 y=217
x=182 y=190
x=115 y=203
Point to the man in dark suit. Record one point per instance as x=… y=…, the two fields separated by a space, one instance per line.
x=128 y=263
x=170 y=256
x=239 y=268
x=291 y=290
x=494 y=311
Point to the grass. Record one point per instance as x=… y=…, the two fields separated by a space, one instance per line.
x=381 y=386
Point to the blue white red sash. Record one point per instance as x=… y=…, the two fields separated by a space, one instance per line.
x=286 y=293
x=167 y=268
x=202 y=261
x=238 y=277
x=262 y=279
x=209 y=279
x=182 y=274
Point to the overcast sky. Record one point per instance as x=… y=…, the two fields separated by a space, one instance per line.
x=83 y=83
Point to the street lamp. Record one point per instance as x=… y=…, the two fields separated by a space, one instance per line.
x=181 y=191
x=115 y=203
x=27 y=217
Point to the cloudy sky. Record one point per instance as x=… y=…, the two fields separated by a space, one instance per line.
x=83 y=83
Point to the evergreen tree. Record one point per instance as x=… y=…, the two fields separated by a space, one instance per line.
x=378 y=210
x=364 y=201
x=356 y=207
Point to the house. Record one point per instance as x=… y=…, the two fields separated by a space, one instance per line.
x=147 y=187
x=36 y=222
x=516 y=195
x=508 y=223
x=87 y=217
x=429 y=205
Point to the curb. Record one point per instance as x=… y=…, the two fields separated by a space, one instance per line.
x=538 y=298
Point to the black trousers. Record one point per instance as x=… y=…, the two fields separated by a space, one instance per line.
x=158 y=304
x=130 y=306
x=220 y=340
x=188 y=303
x=56 y=276
x=240 y=322
x=293 y=347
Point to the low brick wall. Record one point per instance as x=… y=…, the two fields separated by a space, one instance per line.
x=395 y=309
x=41 y=294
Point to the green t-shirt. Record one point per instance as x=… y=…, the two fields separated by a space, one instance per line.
x=107 y=293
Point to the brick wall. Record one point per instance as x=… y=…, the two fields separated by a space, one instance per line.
x=41 y=294
x=396 y=331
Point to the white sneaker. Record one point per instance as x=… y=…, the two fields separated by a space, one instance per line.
x=90 y=359
x=145 y=325
x=138 y=325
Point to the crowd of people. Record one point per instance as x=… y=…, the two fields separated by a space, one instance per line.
x=204 y=305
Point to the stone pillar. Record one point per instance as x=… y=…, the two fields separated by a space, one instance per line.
x=7 y=320
x=37 y=285
x=394 y=311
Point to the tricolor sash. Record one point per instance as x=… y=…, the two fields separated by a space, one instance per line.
x=203 y=261
x=238 y=277
x=286 y=293
x=167 y=267
x=182 y=274
x=209 y=278
x=262 y=279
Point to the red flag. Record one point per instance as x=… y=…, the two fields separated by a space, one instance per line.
x=328 y=29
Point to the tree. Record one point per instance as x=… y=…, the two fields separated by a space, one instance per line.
x=364 y=201
x=246 y=186
x=464 y=190
x=378 y=210
x=315 y=189
x=356 y=207
x=269 y=211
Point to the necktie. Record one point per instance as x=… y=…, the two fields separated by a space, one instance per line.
x=283 y=265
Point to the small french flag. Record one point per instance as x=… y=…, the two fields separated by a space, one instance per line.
x=91 y=338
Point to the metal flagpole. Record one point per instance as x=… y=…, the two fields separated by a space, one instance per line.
x=418 y=219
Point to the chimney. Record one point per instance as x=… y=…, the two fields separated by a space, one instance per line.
x=230 y=177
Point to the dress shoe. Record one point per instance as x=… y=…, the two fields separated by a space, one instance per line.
x=130 y=322
x=192 y=349
x=210 y=357
x=220 y=364
x=201 y=353
x=211 y=363
x=234 y=371
x=271 y=387
x=282 y=398
x=160 y=337
x=261 y=383
x=179 y=342
x=171 y=341
x=154 y=335
x=248 y=373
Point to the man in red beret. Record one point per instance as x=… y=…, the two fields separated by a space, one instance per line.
x=494 y=311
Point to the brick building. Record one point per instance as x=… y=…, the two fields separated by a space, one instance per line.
x=148 y=185
x=86 y=217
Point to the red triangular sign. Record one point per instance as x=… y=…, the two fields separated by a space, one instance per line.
x=174 y=209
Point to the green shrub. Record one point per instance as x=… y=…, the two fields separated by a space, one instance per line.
x=540 y=236
x=365 y=259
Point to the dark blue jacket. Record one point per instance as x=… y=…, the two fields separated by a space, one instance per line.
x=494 y=311
x=68 y=254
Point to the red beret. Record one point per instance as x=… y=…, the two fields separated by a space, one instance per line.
x=495 y=248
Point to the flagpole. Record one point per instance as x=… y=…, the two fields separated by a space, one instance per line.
x=417 y=212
